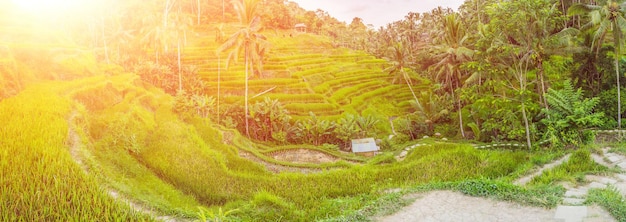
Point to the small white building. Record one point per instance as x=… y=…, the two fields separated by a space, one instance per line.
x=365 y=146
x=300 y=27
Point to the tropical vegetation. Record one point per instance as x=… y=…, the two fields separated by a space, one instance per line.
x=221 y=111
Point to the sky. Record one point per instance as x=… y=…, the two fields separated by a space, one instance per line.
x=375 y=12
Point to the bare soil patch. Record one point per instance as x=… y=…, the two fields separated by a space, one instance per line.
x=276 y=168
x=304 y=156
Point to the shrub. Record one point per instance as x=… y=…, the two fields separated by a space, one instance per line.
x=569 y=116
x=608 y=105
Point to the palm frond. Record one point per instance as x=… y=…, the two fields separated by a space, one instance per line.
x=581 y=9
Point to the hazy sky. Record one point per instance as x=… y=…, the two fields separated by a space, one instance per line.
x=375 y=12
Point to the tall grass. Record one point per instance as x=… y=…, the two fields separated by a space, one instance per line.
x=40 y=181
x=579 y=164
x=611 y=199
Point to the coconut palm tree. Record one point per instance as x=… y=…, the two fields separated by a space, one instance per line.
x=153 y=35
x=452 y=53
x=180 y=25
x=247 y=41
x=605 y=18
x=400 y=63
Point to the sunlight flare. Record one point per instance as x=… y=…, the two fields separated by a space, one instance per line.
x=46 y=5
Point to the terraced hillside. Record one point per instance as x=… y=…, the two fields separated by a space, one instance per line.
x=306 y=73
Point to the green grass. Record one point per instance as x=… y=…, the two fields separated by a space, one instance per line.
x=579 y=164
x=611 y=200
x=40 y=181
x=304 y=65
x=619 y=148
x=172 y=148
x=544 y=196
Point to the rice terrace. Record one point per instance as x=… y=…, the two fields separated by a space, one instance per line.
x=297 y=110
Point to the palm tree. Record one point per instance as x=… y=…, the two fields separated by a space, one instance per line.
x=153 y=35
x=247 y=41
x=219 y=38
x=451 y=54
x=400 y=63
x=605 y=18
x=432 y=110
x=180 y=25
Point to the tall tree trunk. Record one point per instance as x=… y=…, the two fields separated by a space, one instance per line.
x=460 y=117
x=406 y=78
x=198 y=1
x=526 y=126
x=564 y=11
x=617 y=45
x=104 y=41
x=522 y=87
x=543 y=85
x=393 y=129
x=180 y=76
x=247 y=59
x=619 y=98
x=219 y=72
x=165 y=13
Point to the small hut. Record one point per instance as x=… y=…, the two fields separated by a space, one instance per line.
x=365 y=147
x=300 y=27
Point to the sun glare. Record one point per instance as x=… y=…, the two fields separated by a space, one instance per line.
x=47 y=7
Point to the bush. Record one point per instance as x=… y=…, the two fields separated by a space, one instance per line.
x=569 y=116
x=608 y=105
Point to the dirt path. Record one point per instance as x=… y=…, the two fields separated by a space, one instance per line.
x=76 y=146
x=453 y=206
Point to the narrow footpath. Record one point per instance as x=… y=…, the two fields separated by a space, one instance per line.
x=454 y=206
x=76 y=148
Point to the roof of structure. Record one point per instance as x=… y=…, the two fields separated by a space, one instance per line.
x=364 y=145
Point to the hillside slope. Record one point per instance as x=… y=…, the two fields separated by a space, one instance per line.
x=131 y=140
x=307 y=73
